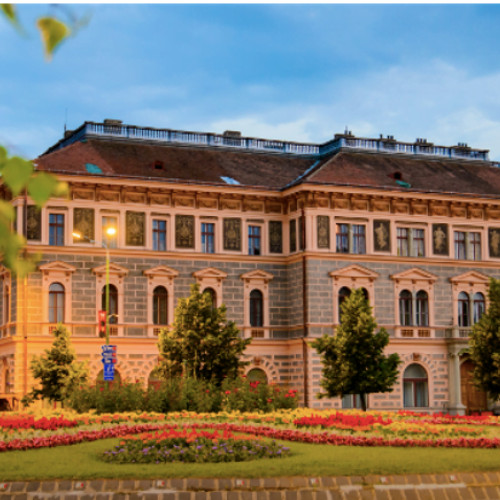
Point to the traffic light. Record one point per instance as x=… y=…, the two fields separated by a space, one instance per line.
x=101 y=317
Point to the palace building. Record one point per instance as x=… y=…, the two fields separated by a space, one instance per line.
x=280 y=232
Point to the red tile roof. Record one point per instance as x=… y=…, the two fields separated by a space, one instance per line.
x=191 y=164
x=128 y=159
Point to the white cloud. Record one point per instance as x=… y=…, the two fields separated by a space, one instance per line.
x=438 y=101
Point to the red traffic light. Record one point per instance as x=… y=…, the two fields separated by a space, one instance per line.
x=101 y=318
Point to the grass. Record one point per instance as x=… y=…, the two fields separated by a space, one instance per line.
x=82 y=462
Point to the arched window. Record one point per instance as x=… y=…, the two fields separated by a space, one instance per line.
x=160 y=306
x=155 y=380
x=257 y=375
x=344 y=293
x=405 y=308
x=479 y=306
x=463 y=309
x=422 y=308
x=56 y=303
x=113 y=303
x=256 y=308
x=213 y=296
x=415 y=387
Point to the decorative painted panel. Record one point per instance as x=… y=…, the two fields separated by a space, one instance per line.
x=275 y=236
x=323 y=226
x=83 y=222
x=293 y=235
x=381 y=236
x=184 y=231
x=232 y=234
x=494 y=242
x=440 y=244
x=135 y=228
x=34 y=223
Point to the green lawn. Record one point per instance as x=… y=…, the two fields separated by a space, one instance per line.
x=82 y=462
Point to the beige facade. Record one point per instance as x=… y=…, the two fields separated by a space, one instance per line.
x=280 y=252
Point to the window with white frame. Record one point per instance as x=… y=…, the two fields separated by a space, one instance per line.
x=467 y=245
x=415 y=387
x=254 y=240
x=351 y=238
x=207 y=237
x=410 y=242
x=469 y=296
x=109 y=240
x=159 y=228
x=413 y=308
x=56 y=303
x=56 y=229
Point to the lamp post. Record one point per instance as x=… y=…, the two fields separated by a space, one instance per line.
x=109 y=231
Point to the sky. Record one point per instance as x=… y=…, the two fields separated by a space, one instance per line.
x=295 y=72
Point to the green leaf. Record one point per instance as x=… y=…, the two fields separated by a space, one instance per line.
x=41 y=186
x=53 y=32
x=16 y=174
x=3 y=157
x=7 y=211
x=9 y=11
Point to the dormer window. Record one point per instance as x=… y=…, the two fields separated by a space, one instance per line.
x=158 y=165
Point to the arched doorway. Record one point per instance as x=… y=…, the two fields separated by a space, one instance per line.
x=116 y=382
x=474 y=399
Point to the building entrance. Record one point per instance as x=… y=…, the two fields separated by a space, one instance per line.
x=473 y=398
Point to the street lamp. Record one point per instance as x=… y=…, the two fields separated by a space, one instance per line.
x=109 y=231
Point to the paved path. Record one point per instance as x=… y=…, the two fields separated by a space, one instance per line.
x=463 y=486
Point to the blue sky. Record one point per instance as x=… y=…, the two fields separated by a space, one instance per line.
x=283 y=71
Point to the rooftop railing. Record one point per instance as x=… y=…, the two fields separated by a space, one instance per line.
x=116 y=130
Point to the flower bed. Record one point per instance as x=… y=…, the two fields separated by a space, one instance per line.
x=192 y=446
x=349 y=428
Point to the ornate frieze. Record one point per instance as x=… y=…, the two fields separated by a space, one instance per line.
x=492 y=213
x=83 y=222
x=184 y=231
x=113 y=196
x=382 y=235
x=458 y=210
x=159 y=199
x=232 y=234
x=33 y=223
x=133 y=197
x=135 y=228
x=380 y=205
x=440 y=244
x=83 y=194
x=323 y=231
x=439 y=209
x=275 y=236
x=230 y=204
x=183 y=201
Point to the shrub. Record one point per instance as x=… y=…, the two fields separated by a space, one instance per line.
x=183 y=393
x=245 y=395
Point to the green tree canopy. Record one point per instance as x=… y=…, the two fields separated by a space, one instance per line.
x=57 y=370
x=202 y=343
x=484 y=345
x=353 y=359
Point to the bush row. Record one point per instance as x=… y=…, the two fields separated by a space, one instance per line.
x=180 y=393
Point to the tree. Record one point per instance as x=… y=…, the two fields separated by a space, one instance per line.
x=353 y=360
x=18 y=175
x=58 y=372
x=484 y=345
x=202 y=343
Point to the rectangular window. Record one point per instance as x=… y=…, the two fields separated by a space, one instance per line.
x=343 y=238
x=418 y=243
x=467 y=245
x=159 y=235
x=410 y=242
x=109 y=240
x=474 y=246
x=56 y=229
x=253 y=240
x=403 y=241
x=351 y=238
x=207 y=237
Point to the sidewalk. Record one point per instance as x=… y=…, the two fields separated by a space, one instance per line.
x=460 y=486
